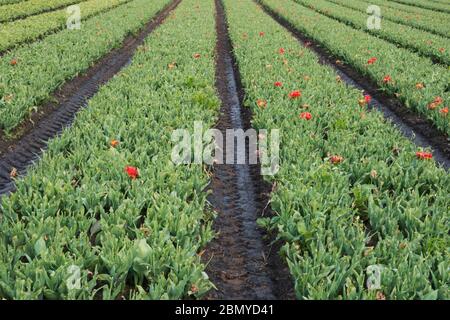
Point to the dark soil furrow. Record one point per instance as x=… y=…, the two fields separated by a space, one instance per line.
x=240 y=262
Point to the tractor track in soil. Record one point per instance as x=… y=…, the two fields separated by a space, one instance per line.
x=418 y=129
x=59 y=112
x=241 y=261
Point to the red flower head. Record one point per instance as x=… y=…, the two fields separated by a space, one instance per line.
x=422 y=155
x=367 y=98
x=305 y=115
x=438 y=100
x=261 y=34
x=261 y=103
x=114 y=143
x=387 y=79
x=13 y=62
x=371 y=60
x=295 y=94
x=278 y=84
x=444 y=111
x=197 y=55
x=132 y=172
x=281 y=51
x=336 y=159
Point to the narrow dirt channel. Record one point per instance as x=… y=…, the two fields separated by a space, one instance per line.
x=240 y=262
x=415 y=127
x=32 y=136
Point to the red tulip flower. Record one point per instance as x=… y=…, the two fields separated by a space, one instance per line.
x=432 y=106
x=261 y=34
x=295 y=94
x=438 y=100
x=114 y=143
x=281 y=51
x=278 y=84
x=13 y=62
x=197 y=55
x=336 y=159
x=444 y=111
x=367 y=98
x=132 y=172
x=387 y=79
x=261 y=103
x=305 y=116
x=371 y=60
x=422 y=155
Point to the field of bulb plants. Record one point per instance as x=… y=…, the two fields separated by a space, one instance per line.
x=103 y=212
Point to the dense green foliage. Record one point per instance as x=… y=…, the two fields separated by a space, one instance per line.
x=433 y=22
x=350 y=192
x=20 y=31
x=423 y=42
x=3 y=2
x=43 y=66
x=397 y=70
x=106 y=214
x=24 y=9
x=137 y=238
x=441 y=7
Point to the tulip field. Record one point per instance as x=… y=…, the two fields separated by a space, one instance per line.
x=383 y=61
x=33 y=78
x=357 y=209
x=19 y=31
x=324 y=207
